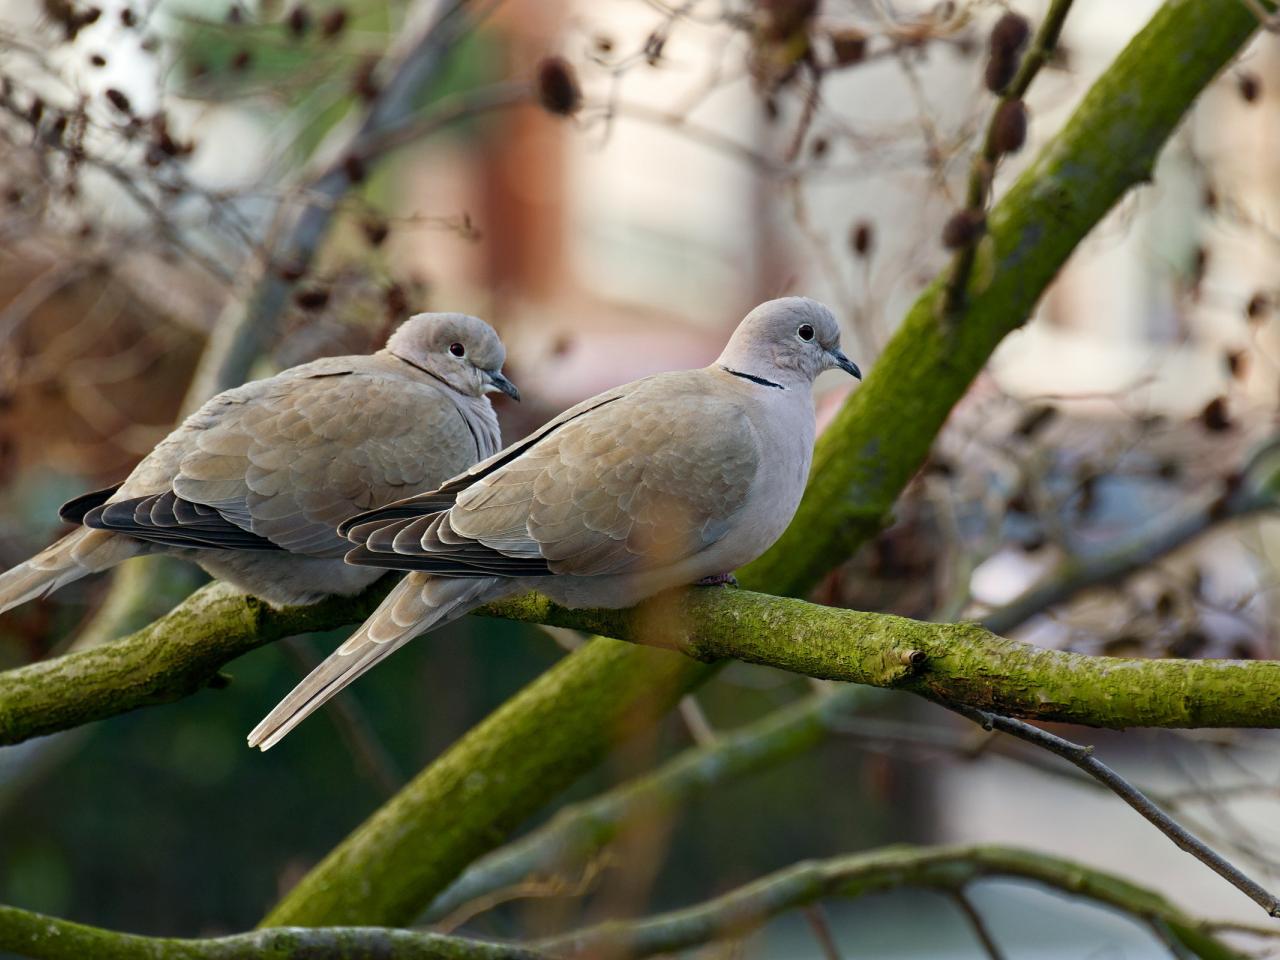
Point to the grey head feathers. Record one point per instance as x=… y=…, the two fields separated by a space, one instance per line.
x=786 y=342
x=461 y=350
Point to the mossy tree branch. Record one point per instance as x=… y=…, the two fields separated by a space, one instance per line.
x=952 y=663
x=945 y=869
x=34 y=935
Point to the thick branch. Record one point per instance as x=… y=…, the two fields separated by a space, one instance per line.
x=174 y=657
x=959 y=663
x=946 y=869
x=950 y=663
x=579 y=832
x=27 y=934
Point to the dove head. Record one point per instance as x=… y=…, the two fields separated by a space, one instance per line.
x=461 y=350
x=788 y=341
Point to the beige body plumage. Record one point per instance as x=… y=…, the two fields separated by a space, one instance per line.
x=253 y=484
x=666 y=481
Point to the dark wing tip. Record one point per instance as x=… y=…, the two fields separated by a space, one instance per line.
x=73 y=510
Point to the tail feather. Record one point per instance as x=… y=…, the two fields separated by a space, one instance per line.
x=417 y=604
x=74 y=556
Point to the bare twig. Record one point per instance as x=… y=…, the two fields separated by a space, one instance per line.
x=247 y=323
x=816 y=917
x=1247 y=497
x=353 y=726
x=982 y=172
x=977 y=924
x=1083 y=758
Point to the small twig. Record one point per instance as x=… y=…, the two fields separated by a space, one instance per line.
x=977 y=924
x=1268 y=21
x=1083 y=758
x=817 y=918
x=1143 y=550
x=353 y=726
x=982 y=172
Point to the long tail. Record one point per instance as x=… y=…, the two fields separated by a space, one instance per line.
x=418 y=603
x=76 y=555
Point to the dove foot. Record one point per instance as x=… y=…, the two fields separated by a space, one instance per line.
x=718 y=580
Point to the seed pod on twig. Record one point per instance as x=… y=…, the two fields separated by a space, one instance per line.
x=1009 y=129
x=557 y=86
x=963 y=228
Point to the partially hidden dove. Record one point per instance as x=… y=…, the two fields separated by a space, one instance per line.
x=253 y=484
x=674 y=479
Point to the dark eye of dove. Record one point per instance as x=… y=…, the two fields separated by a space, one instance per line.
x=805 y=332
x=457 y=349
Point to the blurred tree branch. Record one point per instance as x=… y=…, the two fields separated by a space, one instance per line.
x=950 y=663
x=1115 y=565
x=946 y=869
x=580 y=832
x=983 y=169
x=27 y=934
x=389 y=120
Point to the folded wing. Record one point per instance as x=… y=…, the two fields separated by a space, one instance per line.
x=279 y=464
x=630 y=481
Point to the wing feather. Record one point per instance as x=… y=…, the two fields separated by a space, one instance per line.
x=648 y=477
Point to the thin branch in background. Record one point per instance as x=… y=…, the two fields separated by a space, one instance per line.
x=1248 y=494
x=740 y=912
x=370 y=754
x=977 y=924
x=1269 y=21
x=821 y=927
x=248 y=322
x=1083 y=758
x=982 y=171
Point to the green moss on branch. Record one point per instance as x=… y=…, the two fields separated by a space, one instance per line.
x=171 y=658
x=949 y=662
x=27 y=934
x=938 y=868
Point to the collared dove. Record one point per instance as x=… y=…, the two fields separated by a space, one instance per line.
x=674 y=479
x=252 y=485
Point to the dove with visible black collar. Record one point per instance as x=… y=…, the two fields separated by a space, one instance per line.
x=253 y=484
x=674 y=479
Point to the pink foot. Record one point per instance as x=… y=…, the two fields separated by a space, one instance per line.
x=718 y=580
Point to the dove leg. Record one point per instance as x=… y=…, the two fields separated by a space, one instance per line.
x=718 y=580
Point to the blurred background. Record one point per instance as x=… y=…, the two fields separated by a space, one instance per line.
x=681 y=167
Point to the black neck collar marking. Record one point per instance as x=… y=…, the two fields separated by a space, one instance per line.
x=433 y=376
x=753 y=378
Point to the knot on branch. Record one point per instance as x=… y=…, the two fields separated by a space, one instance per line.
x=899 y=664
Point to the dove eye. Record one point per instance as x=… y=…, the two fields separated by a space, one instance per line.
x=457 y=349
x=805 y=332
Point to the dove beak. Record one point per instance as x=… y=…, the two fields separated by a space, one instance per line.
x=494 y=380
x=844 y=363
